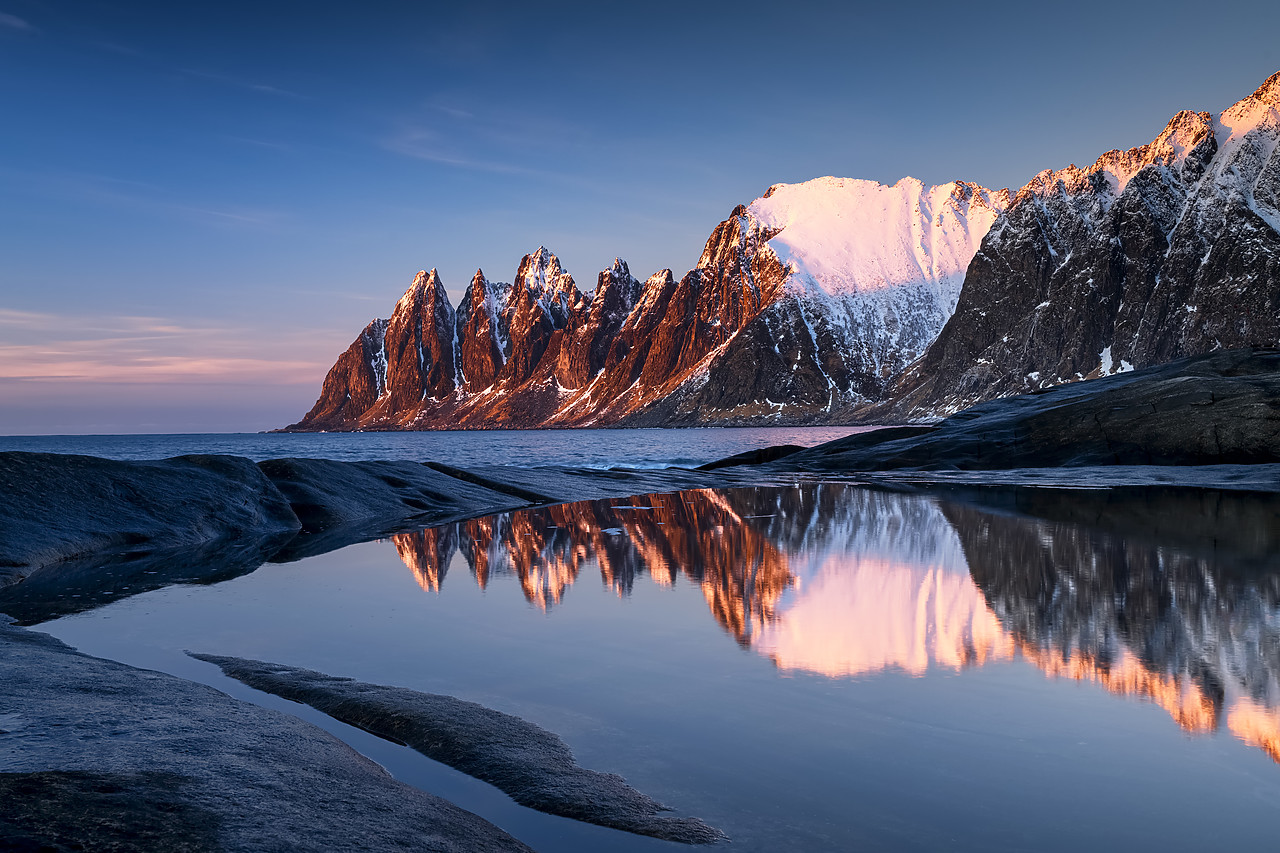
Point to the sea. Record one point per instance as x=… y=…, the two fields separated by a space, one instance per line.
x=597 y=448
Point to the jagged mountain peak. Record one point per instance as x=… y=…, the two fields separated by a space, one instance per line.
x=618 y=274
x=616 y=289
x=425 y=285
x=966 y=192
x=811 y=301
x=1187 y=137
x=422 y=280
x=1257 y=108
x=541 y=275
x=539 y=351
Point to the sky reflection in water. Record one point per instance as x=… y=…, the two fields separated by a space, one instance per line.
x=872 y=674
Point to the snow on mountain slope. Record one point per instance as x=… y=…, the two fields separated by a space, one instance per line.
x=1248 y=136
x=843 y=236
x=855 y=280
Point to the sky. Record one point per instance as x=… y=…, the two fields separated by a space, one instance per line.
x=202 y=204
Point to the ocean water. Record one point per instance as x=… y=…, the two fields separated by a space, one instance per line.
x=595 y=448
x=809 y=668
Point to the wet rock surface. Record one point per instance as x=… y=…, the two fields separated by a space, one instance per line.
x=105 y=754
x=530 y=764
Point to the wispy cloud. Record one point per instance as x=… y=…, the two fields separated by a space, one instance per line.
x=423 y=143
x=455 y=112
x=380 y=299
x=259 y=143
x=239 y=83
x=510 y=143
x=518 y=141
x=13 y=22
x=45 y=347
x=137 y=195
x=117 y=48
x=24 y=319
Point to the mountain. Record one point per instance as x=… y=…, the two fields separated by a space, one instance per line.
x=803 y=306
x=1148 y=255
x=839 y=300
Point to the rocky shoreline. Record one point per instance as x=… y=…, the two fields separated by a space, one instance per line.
x=103 y=756
x=96 y=750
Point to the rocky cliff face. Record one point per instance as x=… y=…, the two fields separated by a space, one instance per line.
x=483 y=333
x=1163 y=251
x=804 y=305
x=355 y=382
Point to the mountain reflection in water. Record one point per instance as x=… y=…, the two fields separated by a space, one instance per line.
x=842 y=581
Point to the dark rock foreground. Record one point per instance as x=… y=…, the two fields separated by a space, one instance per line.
x=527 y=762
x=57 y=506
x=101 y=756
x=1219 y=409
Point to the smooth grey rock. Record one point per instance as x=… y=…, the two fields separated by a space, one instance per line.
x=530 y=764
x=242 y=777
x=57 y=506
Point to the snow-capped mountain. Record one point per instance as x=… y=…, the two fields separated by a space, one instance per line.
x=804 y=305
x=1151 y=254
x=836 y=300
x=855 y=280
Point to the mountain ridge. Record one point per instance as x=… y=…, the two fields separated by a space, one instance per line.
x=840 y=300
x=840 y=312
x=1163 y=251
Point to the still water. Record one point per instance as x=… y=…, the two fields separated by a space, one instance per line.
x=591 y=448
x=818 y=667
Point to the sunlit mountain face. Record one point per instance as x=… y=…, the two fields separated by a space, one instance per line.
x=1178 y=604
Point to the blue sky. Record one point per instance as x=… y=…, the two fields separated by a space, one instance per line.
x=202 y=204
